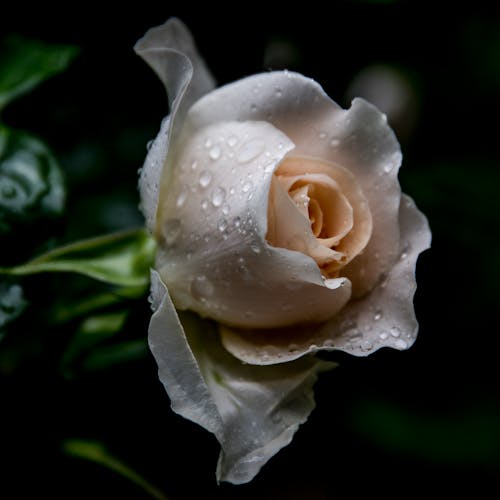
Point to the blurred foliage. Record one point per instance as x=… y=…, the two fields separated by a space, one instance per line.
x=96 y=452
x=26 y=63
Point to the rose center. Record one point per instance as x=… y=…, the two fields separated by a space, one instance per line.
x=319 y=209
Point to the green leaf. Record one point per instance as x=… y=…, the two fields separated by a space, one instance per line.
x=92 y=331
x=97 y=452
x=12 y=303
x=123 y=258
x=124 y=352
x=31 y=182
x=26 y=63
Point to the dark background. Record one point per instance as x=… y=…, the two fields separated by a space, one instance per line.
x=426 y=420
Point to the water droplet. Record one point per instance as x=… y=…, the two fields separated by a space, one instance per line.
x=215 y=153
x=328 y=343
x=387 y=168
x=353 y=334
x=237 y=221
x=322 y=135
x=278 y=92
x=231 y=141
x=194 y=165
x=255 y=247
x=172 y=230
x=334 y=143
x=208 y=143
x=269 y=167
x=246 y=187
x=404 y=252
x=201 y=288
x=204 y=204
x=205 y=178
x=218 y=197
x=293 y=348
x=384 y=335
x=181 y=198
x=226 y=209
x=222 y=225
x=250 y=150
x=254 y=108
x=401 y=344
x=395 y=332
x=366 y=345
x=378 y=315
x=149 y=144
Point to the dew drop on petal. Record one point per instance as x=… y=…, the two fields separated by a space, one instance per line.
x=384 y=335
x=250 y=150
x=222 y=225
x=204 y=204
x=387 y=168
x=246 y=187
x=334 y=143
x=172 y=231
x=237 y=221
x=395 y=332
x=181 y=198
x=205 y=178
x=378 y=315
x=218 y=197
x=201 y=288
x=194 y=165
x=149 y=144
x=322 y=135
x=215 y=153
x=208 y=143
x=226 y=209
x=255 y=247
x=231 y=141
x=401 y=344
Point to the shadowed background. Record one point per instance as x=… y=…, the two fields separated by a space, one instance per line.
x=427 y=419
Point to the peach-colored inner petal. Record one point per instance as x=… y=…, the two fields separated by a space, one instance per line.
x=318 y=208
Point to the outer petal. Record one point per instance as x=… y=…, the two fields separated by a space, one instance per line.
x=383 y=318
x=213 y=221
x=170 y=50
x=386 y=316
x=253 y=411
x=358 y=139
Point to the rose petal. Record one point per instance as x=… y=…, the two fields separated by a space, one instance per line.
x=383 y=318
x=170 y=50
x=358 y=139
x=214 y=257
x=386 y=316
x=253 y=411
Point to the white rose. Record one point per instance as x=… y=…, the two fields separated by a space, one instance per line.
x=279 y=215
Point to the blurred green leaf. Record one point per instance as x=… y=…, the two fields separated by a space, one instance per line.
x=92 y=331
x=124 y=352
x=69 y=309
x=97 y=452
x=123 y=258
x=26 y=63
x=31 y=182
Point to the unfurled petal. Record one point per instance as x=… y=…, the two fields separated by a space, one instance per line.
x=170 y=50
x=383 y=318
x=253 y=411
x=215 y=258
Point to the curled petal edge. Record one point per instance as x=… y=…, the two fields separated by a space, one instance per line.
x=253 y=411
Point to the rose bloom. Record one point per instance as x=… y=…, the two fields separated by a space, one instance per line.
x=280 y=222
